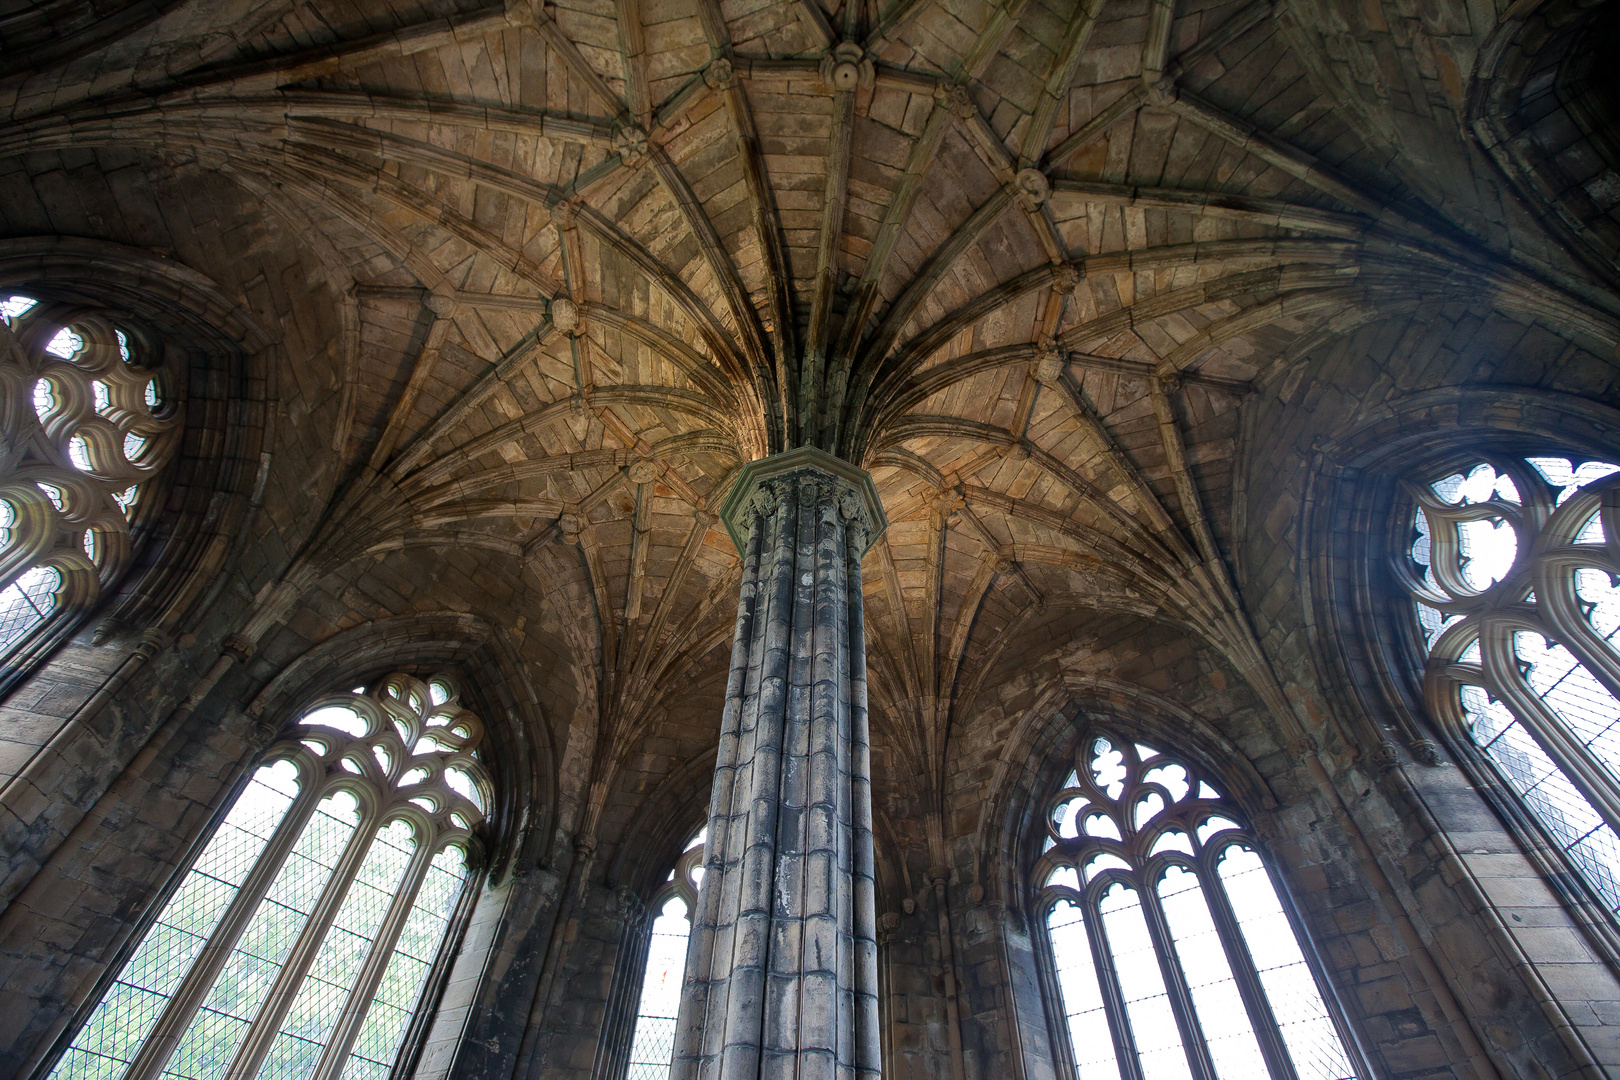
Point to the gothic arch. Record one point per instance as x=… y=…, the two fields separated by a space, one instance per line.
x=226 y=361
x=521 y=756
x=1045 y=736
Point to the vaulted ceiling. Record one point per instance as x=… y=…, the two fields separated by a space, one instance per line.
x=1024 y=262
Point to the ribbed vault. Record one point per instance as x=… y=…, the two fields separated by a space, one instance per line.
x=1021 y=261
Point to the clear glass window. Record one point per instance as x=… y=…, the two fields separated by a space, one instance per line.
x=299 y=944
x=1164 y=925
x=1512 y=574
x=98 y=436
x=652 y=1047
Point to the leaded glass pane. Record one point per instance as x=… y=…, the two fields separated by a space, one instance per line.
x=1228 y=1032
x=1547 y=793
x=391 y=1008
x=211 y=1039
x=26 y=602
x=321 y=997
x=108 y=1042
x=652 y=1047
x=232 y=993
x=1089 y=1037
x=1141 y=984
x=14 y=307
x=65 y=344
x=1569 y=689
x=1560 y=474
x=1302 y=1016
x=1581 y=706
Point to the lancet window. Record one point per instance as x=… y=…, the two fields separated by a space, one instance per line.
x=1170 y=951
x=300 y=943
x=1513 y=568
x=88 y=424
x=652 y=1047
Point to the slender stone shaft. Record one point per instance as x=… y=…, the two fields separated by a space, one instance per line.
x=781 y=972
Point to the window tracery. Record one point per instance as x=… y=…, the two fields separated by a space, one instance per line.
x=652 y=1047
x=298 y=944
x=1514 y=574
x=1170 y=951
x=87 y=426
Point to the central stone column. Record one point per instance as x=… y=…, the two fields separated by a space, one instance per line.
x=781 y=972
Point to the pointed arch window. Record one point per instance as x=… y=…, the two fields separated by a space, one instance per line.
x=652 y=1047
x=88 y=427
x=1170 y=952
x=299 y=943
x=1513 y=569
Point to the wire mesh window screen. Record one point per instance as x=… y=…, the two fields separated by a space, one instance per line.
x=652 y=1046
x=1170 y=951
x=298 y=944
x=1513 y=567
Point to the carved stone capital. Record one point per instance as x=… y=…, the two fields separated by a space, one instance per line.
x=763 y=486
x=238 y=647
x=1386 y=756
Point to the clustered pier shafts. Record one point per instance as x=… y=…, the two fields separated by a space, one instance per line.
x=781 y=972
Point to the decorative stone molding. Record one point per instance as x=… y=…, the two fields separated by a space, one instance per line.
x=631 y=144
x=238 y=647
x=642 y=471
x=1031 y=187
x=955 y=98
x=721 y=74
x=756 y=492
x=846 y=67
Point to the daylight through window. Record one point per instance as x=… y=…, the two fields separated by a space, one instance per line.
x=299 y=943
x=1172 y=954
x=1514 y=569
x=88 y=430
x=652 y=1047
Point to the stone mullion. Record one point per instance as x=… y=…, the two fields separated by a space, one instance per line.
x=255 y=1045
x=1125 y=1055
x=1499 y=663
x=1244 y=972
x=199 y=980
x=1193 y=1042
x=340 y=1041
